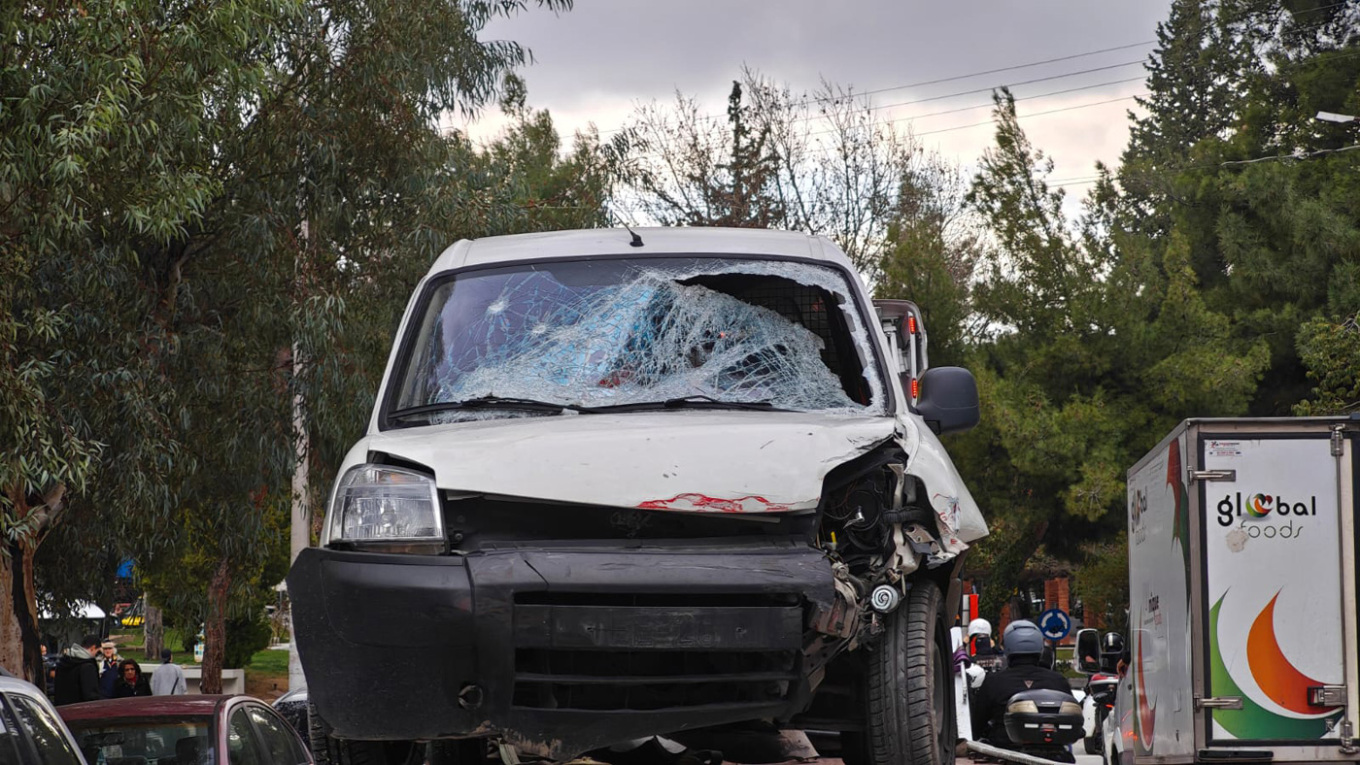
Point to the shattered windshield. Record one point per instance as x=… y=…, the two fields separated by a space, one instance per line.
x=608 y=333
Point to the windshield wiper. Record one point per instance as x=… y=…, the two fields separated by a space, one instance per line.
x=696 y=401
x=482 y=402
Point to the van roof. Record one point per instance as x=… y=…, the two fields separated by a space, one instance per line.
x=657 y=241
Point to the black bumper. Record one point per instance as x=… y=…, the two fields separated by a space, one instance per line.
x=557 y=651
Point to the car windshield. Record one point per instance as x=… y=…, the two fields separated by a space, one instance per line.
x=637 y=332
x=168 y=739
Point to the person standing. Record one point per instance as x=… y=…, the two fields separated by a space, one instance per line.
x=168 y=678
x=131 y=681
x=77 y=673
x=108 y=656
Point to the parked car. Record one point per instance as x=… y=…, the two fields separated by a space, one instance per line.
x=32 y=732
x=292 y=706
x=184 y=730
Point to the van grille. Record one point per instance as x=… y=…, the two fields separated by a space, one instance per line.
x=600 y=653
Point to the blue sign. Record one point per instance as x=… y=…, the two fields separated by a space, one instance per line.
x=1055 y=624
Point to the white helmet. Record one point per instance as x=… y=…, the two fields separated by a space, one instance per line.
x=979 y=627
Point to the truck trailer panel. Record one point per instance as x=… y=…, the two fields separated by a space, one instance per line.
x=1242 y=586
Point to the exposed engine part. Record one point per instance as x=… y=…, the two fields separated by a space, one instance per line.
x=885 y=598
x=842 y=618
x=925 y=544
x=859 y=519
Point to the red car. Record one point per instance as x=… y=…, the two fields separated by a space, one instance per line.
x=184 y=730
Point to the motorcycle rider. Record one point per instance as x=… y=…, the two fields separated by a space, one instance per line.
x=1023 y=645
x=1112 y=652
x=980 y=648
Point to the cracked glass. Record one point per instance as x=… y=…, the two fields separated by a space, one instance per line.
x=610 y=332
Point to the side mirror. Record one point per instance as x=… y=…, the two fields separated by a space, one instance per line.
x=1087 y=656
x=949 y=400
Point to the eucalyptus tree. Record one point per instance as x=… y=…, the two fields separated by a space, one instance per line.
x=157 y=164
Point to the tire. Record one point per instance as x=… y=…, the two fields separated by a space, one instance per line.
x=1091 y=744
x=328 y=750
x=910 y=714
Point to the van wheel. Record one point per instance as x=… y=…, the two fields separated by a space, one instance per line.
x=326 y=749
x=910 y=711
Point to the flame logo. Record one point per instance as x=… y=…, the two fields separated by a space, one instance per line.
x=1275 y=675
x=1145 y=717
x=1259 y=507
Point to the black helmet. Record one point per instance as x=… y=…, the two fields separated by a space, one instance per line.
x=1022 y=637
x=1113 y=642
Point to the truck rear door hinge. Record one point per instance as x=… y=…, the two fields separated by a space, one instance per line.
x=1218 y=702
x=1210 y=475
x=1337 y=446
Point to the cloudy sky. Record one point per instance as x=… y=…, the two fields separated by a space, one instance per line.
x=597 y=62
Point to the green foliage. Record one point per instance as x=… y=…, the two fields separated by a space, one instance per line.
x=1094 y=352
x=247 y=635
x=1332 y=354
x=930 y=257
x=188 y=196
x=1102 y=581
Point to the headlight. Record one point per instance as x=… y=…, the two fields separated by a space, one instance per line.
x=377 y=503
x=1023 y=707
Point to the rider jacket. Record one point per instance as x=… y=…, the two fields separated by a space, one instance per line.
x=989 y=705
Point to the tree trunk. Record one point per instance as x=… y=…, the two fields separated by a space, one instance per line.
x=153 y=628
x=19 y=650
x=215 y=634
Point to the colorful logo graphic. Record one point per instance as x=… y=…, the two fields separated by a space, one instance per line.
x=1259 y=505
x=1180 y=523
x=1279 y=680
x=1145 y=712
x=1137 y=509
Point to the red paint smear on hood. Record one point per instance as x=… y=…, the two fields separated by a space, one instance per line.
x=706 y=504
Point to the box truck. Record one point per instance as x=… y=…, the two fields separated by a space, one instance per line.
x=1242 y=581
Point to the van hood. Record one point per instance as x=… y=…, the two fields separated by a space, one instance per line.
x=698 y=461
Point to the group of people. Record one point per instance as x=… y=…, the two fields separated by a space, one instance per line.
x=92 y=669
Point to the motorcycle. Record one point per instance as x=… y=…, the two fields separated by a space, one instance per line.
x=1042 y=723
x=1098 y=658
x=1095 y=707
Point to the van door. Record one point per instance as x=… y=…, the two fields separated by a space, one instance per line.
x=1272 y=552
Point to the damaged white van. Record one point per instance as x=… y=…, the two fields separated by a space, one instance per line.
x=622 y=483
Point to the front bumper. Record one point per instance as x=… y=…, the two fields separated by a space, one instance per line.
x=558 y=651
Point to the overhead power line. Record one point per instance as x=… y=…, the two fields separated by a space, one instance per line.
x=1035 y=114
x=988 y=105
x=1006 y=85
x=970 y=75
x=998 y=70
